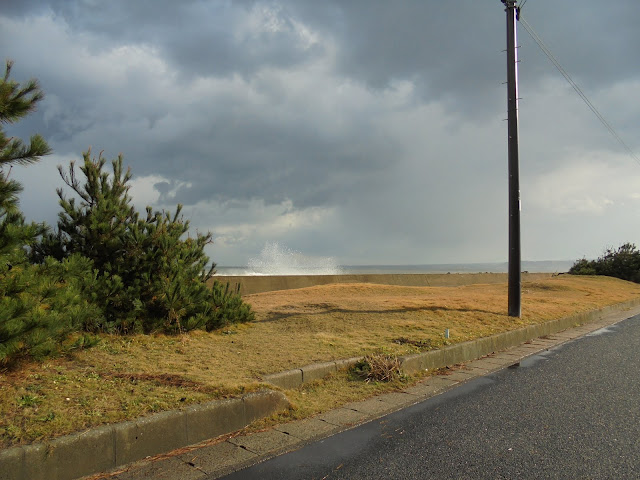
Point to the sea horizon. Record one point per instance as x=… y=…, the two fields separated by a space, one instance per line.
x=543 y=266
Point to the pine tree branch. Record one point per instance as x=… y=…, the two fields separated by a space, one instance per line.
x=16 y=102
x=14 y=151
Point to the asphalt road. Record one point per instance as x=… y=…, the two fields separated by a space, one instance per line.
x=572 y=412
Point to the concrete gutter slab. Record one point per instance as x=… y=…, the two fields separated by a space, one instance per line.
x=265 y=442
x=399 y=399
x=216 y=458
x=344 y=417
x=373 y=406
x=425 y=389
x=172 y=468
x=308 y=428
x=460 y=375
x=442 y=382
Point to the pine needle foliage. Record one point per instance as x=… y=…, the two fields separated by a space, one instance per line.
x=40 y=305
x=16 y=101
x=149 y=276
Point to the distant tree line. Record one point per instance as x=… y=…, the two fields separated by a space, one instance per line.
x=106 y=267
x=623 y=262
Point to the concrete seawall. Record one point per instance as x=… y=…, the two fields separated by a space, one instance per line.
x=258 y=284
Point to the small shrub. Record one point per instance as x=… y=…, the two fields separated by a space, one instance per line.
x=229 y=307
x=583 y=267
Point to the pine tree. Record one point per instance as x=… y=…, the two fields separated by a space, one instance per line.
x=40 y=305
x=16 y=101
x=150 y=278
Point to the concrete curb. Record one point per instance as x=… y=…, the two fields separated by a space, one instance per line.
x=105 y=448
x=298 y=376
x=461 y=352
x=474 y=349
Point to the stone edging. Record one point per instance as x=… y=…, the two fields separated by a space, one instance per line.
x=461 y=352
x=105 y=448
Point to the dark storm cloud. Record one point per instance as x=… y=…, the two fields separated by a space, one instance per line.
x=220 y=153
x=452 y=49
x=274 y=162
x=595 y=41
x=385 y=117
x=433 y=43
x=23 y=7
x=199 y=38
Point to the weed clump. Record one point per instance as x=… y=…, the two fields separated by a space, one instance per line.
x=378 y=367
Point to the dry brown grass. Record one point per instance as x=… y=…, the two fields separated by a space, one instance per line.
x=125 y=377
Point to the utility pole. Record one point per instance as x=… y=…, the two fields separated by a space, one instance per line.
x=513 y=13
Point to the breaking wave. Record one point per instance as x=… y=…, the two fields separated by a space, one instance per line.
x=276 y=259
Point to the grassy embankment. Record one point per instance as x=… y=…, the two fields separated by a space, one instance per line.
x=126 y=377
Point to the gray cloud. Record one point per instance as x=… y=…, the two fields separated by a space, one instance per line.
x=370 y=131
x=199 y=38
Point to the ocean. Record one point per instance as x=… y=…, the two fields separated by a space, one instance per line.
x=277 y=259
x=295 y=268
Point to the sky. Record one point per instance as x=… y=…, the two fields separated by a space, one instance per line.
x=369 y=131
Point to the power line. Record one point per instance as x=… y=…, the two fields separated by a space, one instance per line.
x=536 y=38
